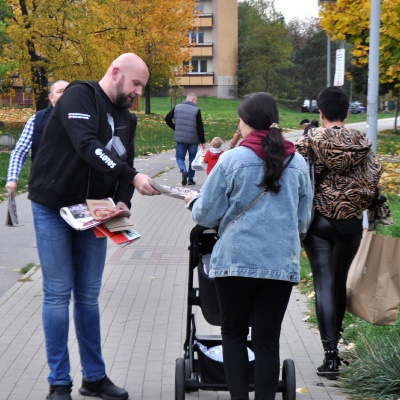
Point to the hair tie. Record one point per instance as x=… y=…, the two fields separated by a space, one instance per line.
x=275 y=125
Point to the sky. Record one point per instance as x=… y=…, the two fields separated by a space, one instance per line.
x=297 y=8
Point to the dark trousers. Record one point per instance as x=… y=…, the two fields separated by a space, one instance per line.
x=330 y=253
x=261 y=303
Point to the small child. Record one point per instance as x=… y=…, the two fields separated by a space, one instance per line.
x=212 y=155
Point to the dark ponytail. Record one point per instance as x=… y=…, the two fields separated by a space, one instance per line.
x=274 y=150
x=259 y=111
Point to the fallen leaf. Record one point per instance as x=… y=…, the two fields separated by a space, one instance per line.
x=301 y=390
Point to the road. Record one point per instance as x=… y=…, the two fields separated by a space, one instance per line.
x=383 y=124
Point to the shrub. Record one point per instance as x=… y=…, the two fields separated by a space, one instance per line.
x=374 y=370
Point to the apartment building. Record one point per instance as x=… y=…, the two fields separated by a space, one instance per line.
x=213 y=67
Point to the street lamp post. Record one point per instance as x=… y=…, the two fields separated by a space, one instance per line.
x=328 y=61
x=373 y=74
x=328 y=49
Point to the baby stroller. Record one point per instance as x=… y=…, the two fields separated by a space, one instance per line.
x=199 y=369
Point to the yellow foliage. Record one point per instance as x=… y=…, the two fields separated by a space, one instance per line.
x=350 y=20
x=78 y=39
x=390 y=179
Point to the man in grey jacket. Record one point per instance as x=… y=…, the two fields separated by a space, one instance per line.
x=185 y=119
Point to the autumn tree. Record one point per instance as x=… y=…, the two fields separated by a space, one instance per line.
x=264 y=47
x=77 y=39
x=159 y=35
x=6 y=65
x=349 y=20
x=308 y=72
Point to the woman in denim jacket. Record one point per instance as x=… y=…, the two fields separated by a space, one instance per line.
x=255 y=262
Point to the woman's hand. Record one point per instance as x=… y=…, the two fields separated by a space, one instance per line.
x=189 y=197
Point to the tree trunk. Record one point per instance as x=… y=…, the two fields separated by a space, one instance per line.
x=40 y=88
x=147 y=98
x=396 y=114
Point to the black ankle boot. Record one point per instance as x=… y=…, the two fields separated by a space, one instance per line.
x=330 y=366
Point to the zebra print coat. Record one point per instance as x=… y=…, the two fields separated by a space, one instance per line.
x=351 y=169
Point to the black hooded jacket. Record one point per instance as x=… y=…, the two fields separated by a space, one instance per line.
x=73 y=163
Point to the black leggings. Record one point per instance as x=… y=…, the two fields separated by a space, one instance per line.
x=330 y=253
x=264 y=302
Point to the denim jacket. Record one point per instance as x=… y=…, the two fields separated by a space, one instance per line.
x=264 y=241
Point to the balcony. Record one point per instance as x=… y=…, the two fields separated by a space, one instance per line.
x=197 y=79
x=201 y=50
x=203 y=21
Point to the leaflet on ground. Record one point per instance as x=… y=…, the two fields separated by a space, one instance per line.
x=178 y=192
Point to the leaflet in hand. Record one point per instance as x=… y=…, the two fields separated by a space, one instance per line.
x=80 y=217
x=178 y=192
x=12 y=216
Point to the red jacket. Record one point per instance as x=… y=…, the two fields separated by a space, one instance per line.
x=211 y=159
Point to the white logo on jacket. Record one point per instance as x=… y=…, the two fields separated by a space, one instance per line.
x=78 y=116
x=104 y=157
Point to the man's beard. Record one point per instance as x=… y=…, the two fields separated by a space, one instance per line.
x=121 y=100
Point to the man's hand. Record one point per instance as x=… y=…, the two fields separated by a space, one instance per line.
x=122 y=206
x=142 y=184
x=12 y=186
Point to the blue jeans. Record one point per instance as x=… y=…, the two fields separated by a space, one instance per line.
x=180 y=154
x=72 y=262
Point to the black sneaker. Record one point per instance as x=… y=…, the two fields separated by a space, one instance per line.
x=185 y=178
x=59 y=392
x=191 y=182
x=104 y=389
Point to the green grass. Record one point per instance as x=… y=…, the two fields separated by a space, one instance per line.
x=374 y=370
x=26 y=268
x=219 y=117
x=390 y=143
x=154 y=136
x=23 y=177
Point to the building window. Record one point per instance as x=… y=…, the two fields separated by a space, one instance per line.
x=196 y=37
x=200 y=6
x=196 y=66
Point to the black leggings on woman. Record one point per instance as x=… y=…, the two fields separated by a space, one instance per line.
x=263 y=302
x=330 y=253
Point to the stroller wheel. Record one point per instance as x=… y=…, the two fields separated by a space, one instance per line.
x=180 y=372
x=289 y=380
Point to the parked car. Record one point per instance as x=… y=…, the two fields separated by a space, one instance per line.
x=306 y=106
x=356 y=107
x=360 y=106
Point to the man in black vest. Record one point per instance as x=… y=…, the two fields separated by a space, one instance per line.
x=31 y=136
x=185 y=119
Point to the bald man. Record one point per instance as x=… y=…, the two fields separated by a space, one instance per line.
x=31 y=136
x=87 y=152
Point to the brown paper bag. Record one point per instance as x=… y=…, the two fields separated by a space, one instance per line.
x=373 y=283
